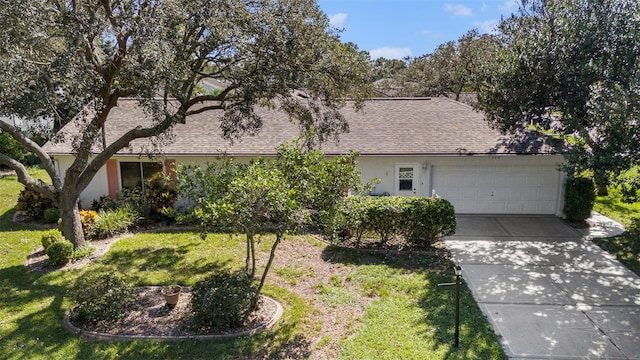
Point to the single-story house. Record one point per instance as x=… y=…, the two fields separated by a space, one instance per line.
x=415 y=146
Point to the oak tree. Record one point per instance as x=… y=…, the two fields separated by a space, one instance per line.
x=83 y=56
x=572 y=68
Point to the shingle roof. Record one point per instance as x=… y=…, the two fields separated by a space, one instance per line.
x=391 y=126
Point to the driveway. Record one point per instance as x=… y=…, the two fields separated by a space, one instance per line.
x=548 y=292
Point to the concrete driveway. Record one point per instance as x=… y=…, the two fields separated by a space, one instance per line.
x=548 y=292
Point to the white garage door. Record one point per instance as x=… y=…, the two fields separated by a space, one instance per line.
x=498 y=189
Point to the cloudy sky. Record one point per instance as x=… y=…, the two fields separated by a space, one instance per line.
x=399 y=28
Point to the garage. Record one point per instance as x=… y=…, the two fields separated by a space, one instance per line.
x=482 y=189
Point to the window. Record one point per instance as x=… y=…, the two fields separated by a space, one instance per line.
x=134 y=174
x=405 y=178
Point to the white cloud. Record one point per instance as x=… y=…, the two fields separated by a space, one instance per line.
x=487 y=26
x=390 y=53
x=431 y=34
x=338 y=20
x=458 y=9
x=509 y=6
x=484 y=7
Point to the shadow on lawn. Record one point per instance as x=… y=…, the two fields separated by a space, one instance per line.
x=477 y=339
x=35 y=305
x=39 y=331
x=170 y=259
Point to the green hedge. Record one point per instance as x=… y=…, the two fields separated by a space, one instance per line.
x=418 y=220
x=579 y=198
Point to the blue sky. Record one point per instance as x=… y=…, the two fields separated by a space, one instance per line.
x=399 y=28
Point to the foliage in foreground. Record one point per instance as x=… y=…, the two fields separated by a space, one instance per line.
x=223 y=300
x=266 y=195
x=101 y=298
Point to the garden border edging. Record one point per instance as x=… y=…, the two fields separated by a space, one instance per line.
x=93 y=335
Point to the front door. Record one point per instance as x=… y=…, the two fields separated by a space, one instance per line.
x=406 y=181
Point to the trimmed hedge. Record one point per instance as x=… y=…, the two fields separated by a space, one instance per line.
x=418 y=220
x=579 y=198
x=60 y=252
x=50 y=237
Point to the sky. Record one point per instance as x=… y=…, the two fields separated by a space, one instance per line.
x=395 y=29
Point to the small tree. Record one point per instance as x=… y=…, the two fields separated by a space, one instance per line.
x=262 y=195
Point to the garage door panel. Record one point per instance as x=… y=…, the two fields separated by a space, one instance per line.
x=498 y=189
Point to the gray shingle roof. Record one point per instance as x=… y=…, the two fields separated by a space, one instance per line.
x=391 y=126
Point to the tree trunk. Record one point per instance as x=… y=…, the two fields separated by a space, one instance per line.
x=602 y=182
x=272 y=255
x=71 y=224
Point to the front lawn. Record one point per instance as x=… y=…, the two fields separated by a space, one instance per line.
x=625 y=247
x=339 y=303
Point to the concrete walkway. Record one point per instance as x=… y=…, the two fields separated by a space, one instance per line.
x=548 y=291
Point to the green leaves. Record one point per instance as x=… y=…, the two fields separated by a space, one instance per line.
x=572 y=68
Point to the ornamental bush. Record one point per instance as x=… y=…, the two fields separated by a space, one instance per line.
x=101 y=298
x=60 y=252
x=349 y=219
x=160 y=194
x=426 y=219
x=33 y=204
x=87 y=217
x=418 y=220
x=223 y=300
x=50 y=237
x=51 y=215
x=579 y=198
x=111 y=222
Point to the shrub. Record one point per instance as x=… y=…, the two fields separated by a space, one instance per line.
x=111 y=222
x=418 y=220
x=134 y=199
x=579 y=198
x=223 y=300
x=51 y=215
x=101 y=298
x=426 y=219
x=160 y=194
x=87 y=218
x=60 y=252
x=33 y=204
x=103 y=203
x=50 y=237
x=349 y=219
x=385 y=216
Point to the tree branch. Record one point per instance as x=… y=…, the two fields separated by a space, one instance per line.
x=28 y=181
x=32 y=146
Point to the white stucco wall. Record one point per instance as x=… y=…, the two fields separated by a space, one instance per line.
x=372 y=167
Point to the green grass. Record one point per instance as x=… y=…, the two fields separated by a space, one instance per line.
x=412 y=318
x=409 y=317
x=626 y=247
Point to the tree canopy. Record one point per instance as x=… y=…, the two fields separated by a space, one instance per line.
x=84 y=56
x=572 y=68
x=453 y=67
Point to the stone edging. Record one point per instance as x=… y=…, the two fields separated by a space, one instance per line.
x=87 y=334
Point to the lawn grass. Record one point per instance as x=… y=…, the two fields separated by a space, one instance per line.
x=408 y=316
x=626 y=247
